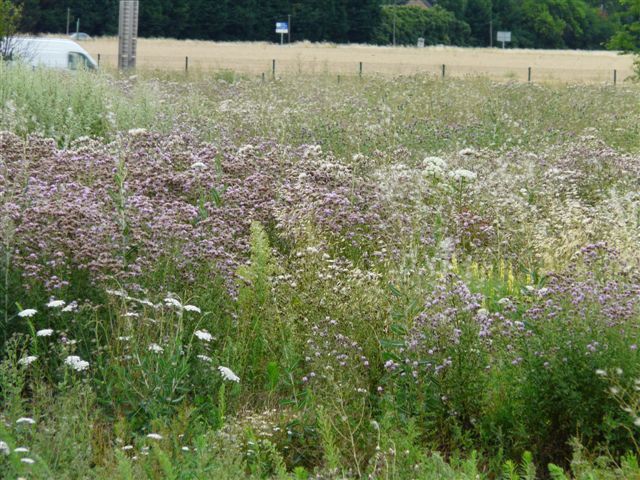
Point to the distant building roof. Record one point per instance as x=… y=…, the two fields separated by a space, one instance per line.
x=418 y=3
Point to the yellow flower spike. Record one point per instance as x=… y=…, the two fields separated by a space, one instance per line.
x=475 y=270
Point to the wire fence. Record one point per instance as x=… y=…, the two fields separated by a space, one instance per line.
x=276 y=68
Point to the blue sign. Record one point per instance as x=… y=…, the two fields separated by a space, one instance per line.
x=282 y=27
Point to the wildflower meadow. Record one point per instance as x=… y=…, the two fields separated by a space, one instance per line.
x=219 y=276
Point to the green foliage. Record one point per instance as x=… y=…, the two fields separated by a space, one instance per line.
x=308 y=302
x=10 y=15
x=538 y=24
x=627 y=38
x=435 y=25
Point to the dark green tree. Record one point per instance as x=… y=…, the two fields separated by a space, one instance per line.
x=9 y=22
x=534 y=23
x=627 y=38
x=436 y=25
x=364 y=17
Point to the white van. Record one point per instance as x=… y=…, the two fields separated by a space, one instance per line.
x=53 y=53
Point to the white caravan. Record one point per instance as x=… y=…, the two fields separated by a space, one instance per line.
x=57 y=53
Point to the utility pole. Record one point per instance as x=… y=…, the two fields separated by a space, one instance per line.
x=394 y=28
x=491 y=33
x=68 y=19
x=289 y=28
x=491 y=24
x=78 y=26
x=127 y=34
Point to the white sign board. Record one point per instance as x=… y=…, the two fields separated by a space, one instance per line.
x=282 y=27
x=420 y=42
x=504 y=36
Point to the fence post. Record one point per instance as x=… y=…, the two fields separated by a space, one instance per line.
x=338 y=78
x=98 y=59
x=615 y=77
x=444 y=69
x=273 y=69
x=262 y=77
x=529 y=75
x=360 y=69
x=186 y=64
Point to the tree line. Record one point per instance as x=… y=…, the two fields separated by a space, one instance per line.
x=577 y=24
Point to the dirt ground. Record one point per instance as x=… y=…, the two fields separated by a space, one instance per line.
x=307 y=58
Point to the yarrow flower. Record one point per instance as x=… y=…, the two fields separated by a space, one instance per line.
x=21 y=450
x=434 y=166
x=192 y=308
x=198 y=165
x=27 y=360
x=155 y=348
x=27 y=420
x=4 y=448
x=117 y=293
x=172 y=302
x=72 y=307
x=28 y=461
x=204 y=358
x=154 y=436
x=76 y=363
x=134 y=132
x=56 y=303
x=462 y=174
x=203 y=335
x=28 y=312
x=46 y=332
x=601 y=373
x=228 y=374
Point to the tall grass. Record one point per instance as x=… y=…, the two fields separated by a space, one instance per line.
x=237 y=279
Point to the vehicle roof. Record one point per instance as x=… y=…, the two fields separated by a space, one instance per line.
x=49 y=41
x=46 y=44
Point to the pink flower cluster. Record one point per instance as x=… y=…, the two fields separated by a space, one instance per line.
x=116 y=209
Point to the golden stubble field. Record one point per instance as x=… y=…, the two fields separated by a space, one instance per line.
x=309 y=58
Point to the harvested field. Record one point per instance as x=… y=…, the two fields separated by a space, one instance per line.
x=307 y=58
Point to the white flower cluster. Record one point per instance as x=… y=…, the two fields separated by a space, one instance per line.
x=228 y=374
x=172 y=302
x=462 y=174
x=175 y=303
x=76 y=363
x=434 y=167
x=203 y=335
x=26 y=361
x=27 y=420
x=53 y=303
